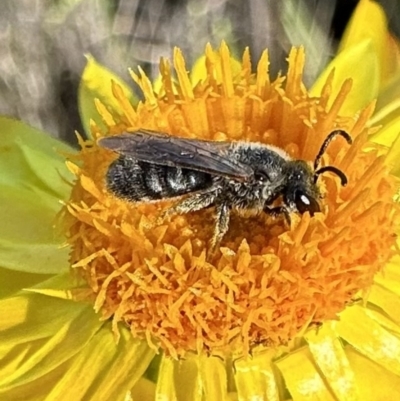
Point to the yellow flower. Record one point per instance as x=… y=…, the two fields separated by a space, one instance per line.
x=370 y=55
x=234 y=325
x=267 y=284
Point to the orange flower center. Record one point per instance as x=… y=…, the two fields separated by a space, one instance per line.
x=268 y=282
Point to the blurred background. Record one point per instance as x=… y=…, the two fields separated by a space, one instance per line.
x=43 y=43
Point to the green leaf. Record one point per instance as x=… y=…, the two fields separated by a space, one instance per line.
x=96 y=83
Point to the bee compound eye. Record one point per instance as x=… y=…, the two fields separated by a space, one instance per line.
x=261 y=176
x=306 y=203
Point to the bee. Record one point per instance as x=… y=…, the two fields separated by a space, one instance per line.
x=241 y=176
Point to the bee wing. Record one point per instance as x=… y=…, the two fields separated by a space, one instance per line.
x=158 y=148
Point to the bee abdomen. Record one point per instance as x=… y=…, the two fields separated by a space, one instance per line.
x=135 y=181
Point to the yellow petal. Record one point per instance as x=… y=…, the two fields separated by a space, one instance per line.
x=213 y=378
x=30 y=158
x=376 y=383
x=143 y=390
x=157 y=84
x=255 y=379
x=165 y=389
x=104 y=370
x=365 y=78
x=199 y=70
x=368 y=22
x=96 y=83
x=179 y=380
x=13 y=281
x=33 y=180
x=330 y=357
x=37 y=336
x=388 y=104
x=390 y=277
x=37 y=389
x=377 y=31
x=36 y=258
x=369 y=338
x=383 y=321
x=62 y=286
x=388 y=301
x=388 y=133
x=28 y=240
x=302 y=377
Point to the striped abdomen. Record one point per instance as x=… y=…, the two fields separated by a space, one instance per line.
x=136 y=180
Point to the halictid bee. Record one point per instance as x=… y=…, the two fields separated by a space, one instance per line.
x=244 y=176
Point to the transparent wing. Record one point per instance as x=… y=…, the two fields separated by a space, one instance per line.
x=158 y=148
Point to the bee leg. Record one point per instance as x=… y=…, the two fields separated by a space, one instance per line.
x=193 y=203
x=222 y=224
x=277 y=211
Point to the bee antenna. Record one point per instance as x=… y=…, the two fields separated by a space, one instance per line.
x=326 y=143
x=332 y=169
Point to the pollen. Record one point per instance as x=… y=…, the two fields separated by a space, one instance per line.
x=267 y=282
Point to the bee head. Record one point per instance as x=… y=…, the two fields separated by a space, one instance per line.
x=302 y=192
